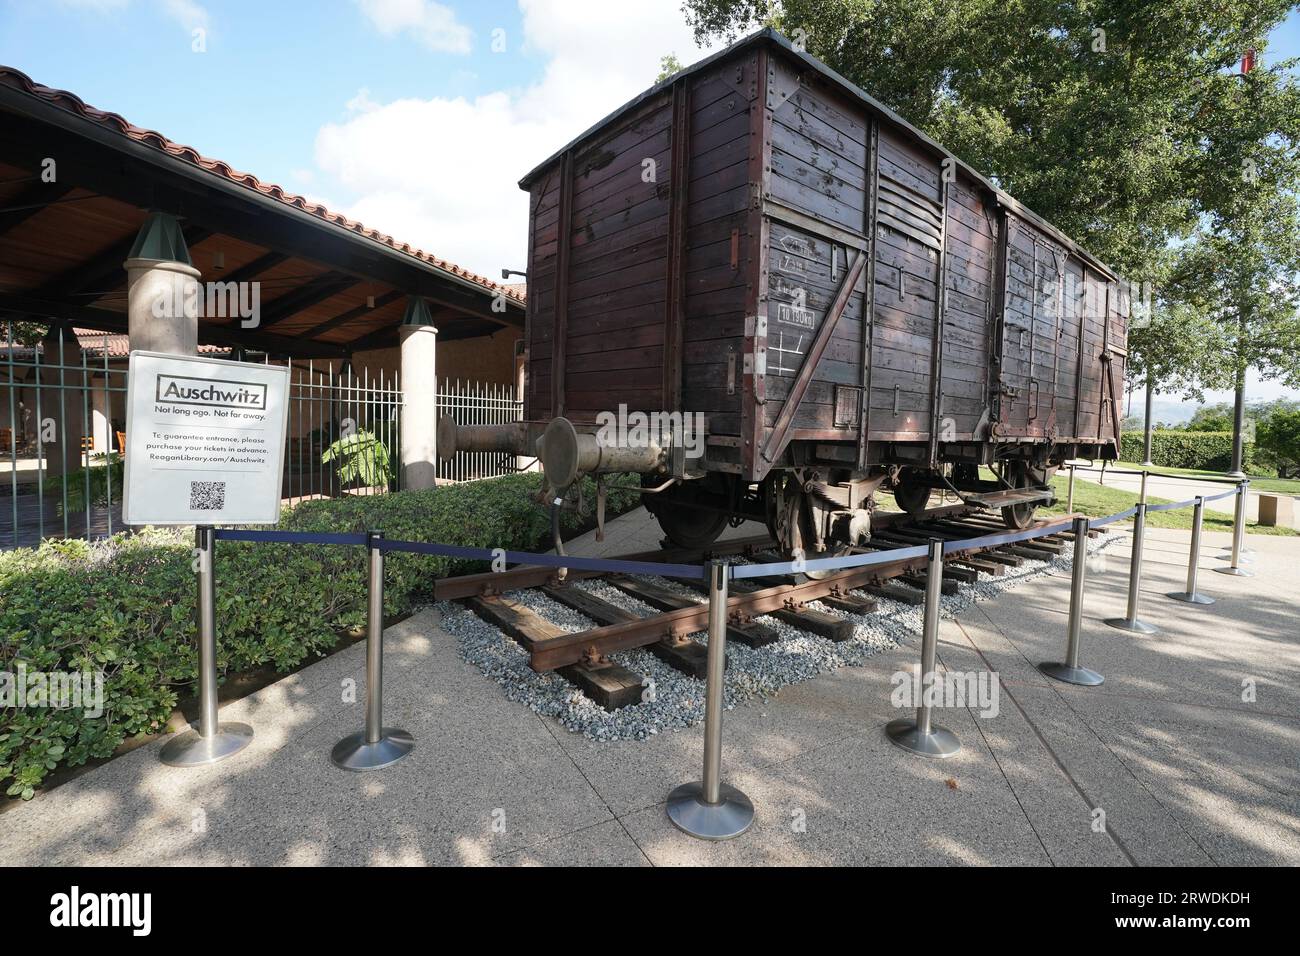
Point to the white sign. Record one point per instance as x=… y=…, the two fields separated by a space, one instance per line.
x=204 y=440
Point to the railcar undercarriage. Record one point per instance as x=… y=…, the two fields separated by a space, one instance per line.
x=814 y=508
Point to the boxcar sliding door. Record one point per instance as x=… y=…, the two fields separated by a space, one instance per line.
x=908 y=240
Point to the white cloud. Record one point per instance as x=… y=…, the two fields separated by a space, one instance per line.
x=442 y=173
x=187 y=13
x=431 y=23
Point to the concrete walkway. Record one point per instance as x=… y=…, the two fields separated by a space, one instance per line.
x=1185 y=771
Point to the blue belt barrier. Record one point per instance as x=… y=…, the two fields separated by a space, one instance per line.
x=544 y=560
x=828 y=564
x=1226 y=494
x=290 y=537
x=1102 y=522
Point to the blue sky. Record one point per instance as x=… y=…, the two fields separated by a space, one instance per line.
x=416 y=117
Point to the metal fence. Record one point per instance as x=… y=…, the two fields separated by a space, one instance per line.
x=479 y=403
x=62 y=413
x=344 y=433
x=63 y=433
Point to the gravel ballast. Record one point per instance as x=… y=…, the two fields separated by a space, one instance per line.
x=671 y=699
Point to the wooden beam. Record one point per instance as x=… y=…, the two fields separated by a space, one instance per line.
x=776 y=438
x=562 y=241
x=27 y=308
x=675 y=274
x=940 y=310
x=104 y=273
x=343 y=317
x=305 y=296
x=29 y=202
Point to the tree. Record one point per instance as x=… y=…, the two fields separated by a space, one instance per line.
x=668 y=66
x=1124 y=122
x=1277 y=442
x=1211 y=418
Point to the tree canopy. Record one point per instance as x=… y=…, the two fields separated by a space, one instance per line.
x=1125 y=123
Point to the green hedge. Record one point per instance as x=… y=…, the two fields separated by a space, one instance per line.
x=1211 y=451
x=126 y=605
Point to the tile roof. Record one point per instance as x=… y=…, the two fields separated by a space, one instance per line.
x=118 y=345
x=71 y=103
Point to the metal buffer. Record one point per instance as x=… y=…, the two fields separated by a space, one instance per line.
x=377 y=746
x=919 y=735
x=1069 y=671
x=710 y=809
x=1238 y=536
x=1130 y=622
x=213 y=741
x=1191 y=596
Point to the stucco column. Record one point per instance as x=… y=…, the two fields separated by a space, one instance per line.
x=61 y=402
x=163 y=290
x=419 y=340
x=101 y=428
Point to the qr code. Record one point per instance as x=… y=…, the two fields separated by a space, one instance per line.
x=207 y=495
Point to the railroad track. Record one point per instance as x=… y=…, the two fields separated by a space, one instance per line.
x=583 y=657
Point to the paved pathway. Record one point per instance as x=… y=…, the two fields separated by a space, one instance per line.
x=1185 y=771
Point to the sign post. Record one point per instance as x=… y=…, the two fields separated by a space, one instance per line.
x=204 y=445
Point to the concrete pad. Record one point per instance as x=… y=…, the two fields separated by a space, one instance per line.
x=1189 y=768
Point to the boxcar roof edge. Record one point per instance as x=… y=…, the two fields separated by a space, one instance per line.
x=769 y=34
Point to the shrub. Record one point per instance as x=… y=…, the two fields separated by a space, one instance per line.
x=1209 y=451
x=126 y=605
x=102 y=470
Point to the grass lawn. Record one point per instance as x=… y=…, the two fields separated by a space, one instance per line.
x=1285 y=486
x=1096 y=501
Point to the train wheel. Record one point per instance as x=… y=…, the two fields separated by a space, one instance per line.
x=911 y=494
x=1018 y=517
x=690 y=527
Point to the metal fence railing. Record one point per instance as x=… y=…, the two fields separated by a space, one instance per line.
x=344 y=432
x=63 y=431
x=478 y=403
x=61 y=413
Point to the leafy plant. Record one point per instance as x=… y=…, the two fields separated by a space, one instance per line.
x=360 y=458
x=104 y=472
x=125 y=605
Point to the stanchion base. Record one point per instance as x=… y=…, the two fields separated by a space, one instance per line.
x=191 y=750
x=1136 y=626
x=353 y=753
x=1072 y=675
x=1235 y=572
x=725 y=820
x=1194 y=598
x=939 y=742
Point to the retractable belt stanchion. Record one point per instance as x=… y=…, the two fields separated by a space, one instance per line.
x=710 y=809
x=214 y=740
x=1069 y=499
x=377 y=746
x=1143 y=496
x=1238 y=536
x=1191 y=596
x=1069 y=670
x=1130 y=622
x=919 y=735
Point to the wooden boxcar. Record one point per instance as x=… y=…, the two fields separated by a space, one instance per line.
x=850 y=307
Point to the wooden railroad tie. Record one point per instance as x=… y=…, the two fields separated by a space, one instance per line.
x=610 y=685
